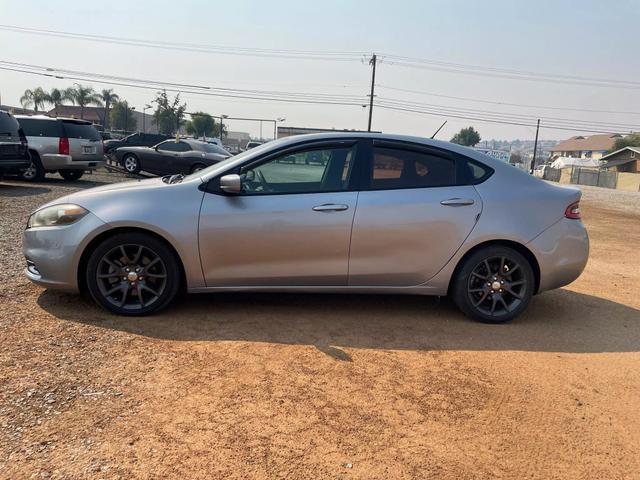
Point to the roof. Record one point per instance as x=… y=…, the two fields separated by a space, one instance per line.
x=92 y=114
x=53 y=119
x=620 y=161
x=602 y=142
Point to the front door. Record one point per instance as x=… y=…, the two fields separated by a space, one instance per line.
x=290 y=225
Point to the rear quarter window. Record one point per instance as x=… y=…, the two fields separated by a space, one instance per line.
x=470 y=172
x=33 y=127
x=81 y=130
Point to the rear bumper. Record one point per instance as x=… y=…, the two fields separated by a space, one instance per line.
x=53 y=253
x=52 y=161
x=562 y=251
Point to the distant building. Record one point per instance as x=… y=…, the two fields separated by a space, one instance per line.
x=626 y=159
x=17 y=110
x=497 y=154
x=95 y=115
x=593 y=146
x=290 y=131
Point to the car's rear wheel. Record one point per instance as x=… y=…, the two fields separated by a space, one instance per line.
x=71 y=175
x=197 y=167
x=133 y=274
x=35 y=172
x=131 y=163
x=494 y=284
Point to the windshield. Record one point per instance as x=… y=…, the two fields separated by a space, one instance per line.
x=212 y=148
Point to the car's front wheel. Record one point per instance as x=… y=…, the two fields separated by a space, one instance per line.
x=71 y=175
x=131 y=163
x=494 y=284
x=133 y=274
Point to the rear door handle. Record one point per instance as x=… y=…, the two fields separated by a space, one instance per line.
x=330 y=207
x=457 y=202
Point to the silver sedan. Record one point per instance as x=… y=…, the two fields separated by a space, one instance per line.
x=362 y=213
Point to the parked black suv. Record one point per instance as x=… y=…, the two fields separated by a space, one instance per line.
x=14 y=153
x=135 y=140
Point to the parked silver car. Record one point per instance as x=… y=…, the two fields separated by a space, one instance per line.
x=64 y=145
x=379 y=214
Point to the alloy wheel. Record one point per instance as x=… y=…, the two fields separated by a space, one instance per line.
x=131 y=276
x=130 y=163
x=497 y=286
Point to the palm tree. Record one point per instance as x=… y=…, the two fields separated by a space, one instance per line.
x=35 y=97
x=57 y=97
x=83 y=96
x=108 y=98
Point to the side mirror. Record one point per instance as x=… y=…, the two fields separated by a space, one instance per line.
x=231 y=183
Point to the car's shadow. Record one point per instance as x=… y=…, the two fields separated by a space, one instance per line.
x=18 y=190
x=557 y=321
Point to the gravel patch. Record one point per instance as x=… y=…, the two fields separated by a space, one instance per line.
x=610 y=198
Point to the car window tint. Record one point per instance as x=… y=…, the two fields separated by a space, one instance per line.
x=84 y=131
x=305 y=171
x=173 y=146
x=8 y=125
x=40 y=128
x=396 y=168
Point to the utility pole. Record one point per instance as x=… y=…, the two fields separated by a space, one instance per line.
x=535 y=149
x=372 y=62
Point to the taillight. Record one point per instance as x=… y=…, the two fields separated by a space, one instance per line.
x=573 y=211
x=63 y=146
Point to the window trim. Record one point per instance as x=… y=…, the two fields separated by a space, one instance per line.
x=457 y=158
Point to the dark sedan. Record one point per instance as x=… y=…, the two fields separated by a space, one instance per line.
x=135 y=140
x=171 y=157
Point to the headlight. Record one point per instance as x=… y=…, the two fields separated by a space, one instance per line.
x=57 y=215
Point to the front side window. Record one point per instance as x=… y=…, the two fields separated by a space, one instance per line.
x=304 y=171
x=396 y=168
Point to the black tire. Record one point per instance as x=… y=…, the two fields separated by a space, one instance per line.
x=131 y=163
x=197 y=167
x=35 y=172
x=71 y=175
x=494 y=284
x=110 y=277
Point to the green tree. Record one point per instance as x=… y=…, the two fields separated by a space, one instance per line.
x=202 y=123
x=57 y=97
x=632 y=140
x=108 y=98
x=169 y=114
x=83 y=96
x=122 y=118
x=35 y=98
x=467 y=137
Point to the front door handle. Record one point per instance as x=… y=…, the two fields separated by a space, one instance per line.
x=457 y=202
x=330 y=207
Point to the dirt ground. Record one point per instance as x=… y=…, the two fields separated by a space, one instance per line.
x=321 y=387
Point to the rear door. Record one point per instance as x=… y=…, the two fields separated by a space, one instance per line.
x=412 y=215
x=85 y=142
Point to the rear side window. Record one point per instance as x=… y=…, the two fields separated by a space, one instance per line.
x=8 y=125
x=84 y=131
x=399 y=168
x=472 y=173
x=40 y=128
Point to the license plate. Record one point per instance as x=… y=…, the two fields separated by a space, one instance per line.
x=89 y=149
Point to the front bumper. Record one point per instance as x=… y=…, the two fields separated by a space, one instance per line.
x=52 y=161
x=562 y=251
x=53 y=253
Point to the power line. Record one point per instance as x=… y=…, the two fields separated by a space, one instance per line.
x=545 y=107
x=467 y=69
x=191 y=47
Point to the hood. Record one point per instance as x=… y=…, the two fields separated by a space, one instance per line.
x=86 y=198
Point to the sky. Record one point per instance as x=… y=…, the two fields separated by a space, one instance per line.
x=569 y=38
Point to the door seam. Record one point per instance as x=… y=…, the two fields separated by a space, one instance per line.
x=353 y=220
